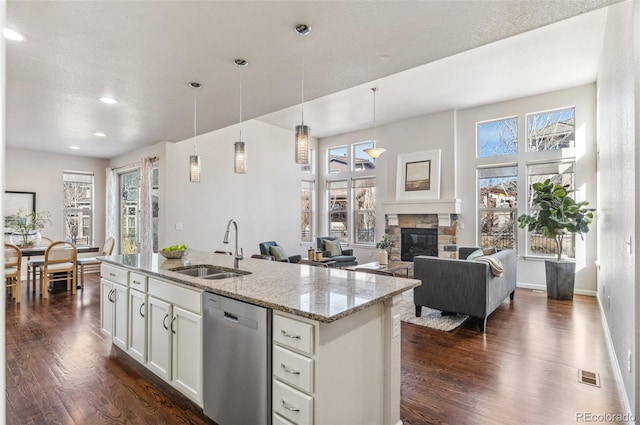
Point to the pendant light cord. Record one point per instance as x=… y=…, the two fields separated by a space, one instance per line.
x=195 y=121
x=240 y=105
x=302 y=96
x=374 y=112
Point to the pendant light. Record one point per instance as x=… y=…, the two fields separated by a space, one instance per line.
x=194 y=160
x=302 y=131
x=239 y=147
x=374 y=152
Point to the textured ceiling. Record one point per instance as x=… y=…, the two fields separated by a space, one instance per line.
x=145 y=54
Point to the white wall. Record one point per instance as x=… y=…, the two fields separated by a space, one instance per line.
x=531 y=271
x=617 y=214
x=424 y=133
x=265 y=201
x=31 y=171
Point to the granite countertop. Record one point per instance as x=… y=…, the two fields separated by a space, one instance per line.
x=322 y=294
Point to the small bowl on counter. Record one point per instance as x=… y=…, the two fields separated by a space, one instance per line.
x=174 y=255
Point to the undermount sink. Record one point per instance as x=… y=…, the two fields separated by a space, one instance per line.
x=209 y=272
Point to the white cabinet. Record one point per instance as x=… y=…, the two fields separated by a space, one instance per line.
x=329 y=373
x=159 y=337
x=138 y=325
x=174 y=341
x=114 y=302
x=186 y=343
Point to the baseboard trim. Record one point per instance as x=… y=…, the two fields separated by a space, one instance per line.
x=614 y=360
x=543 y=288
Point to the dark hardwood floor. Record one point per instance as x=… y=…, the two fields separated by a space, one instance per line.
x=523 y=370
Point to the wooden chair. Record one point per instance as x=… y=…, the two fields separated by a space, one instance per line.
x=60 y=263
x=12 y=264
x=34 y=267
x=91 y=264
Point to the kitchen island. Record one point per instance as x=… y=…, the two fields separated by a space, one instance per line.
x=348 y=321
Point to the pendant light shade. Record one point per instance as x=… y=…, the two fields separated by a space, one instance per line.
x=302 y=131
x=239 y=147
x=194 y=160
x=194 y=168
x=302 y=144
x=375 y=151
x=240 y=158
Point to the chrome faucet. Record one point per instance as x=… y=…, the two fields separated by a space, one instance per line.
x=237 y=256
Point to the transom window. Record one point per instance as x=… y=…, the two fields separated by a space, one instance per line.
x=551 y=130
x=337 y=160
x=497 y=138
x=361 y=160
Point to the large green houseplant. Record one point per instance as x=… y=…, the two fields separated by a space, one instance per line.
x=559 y=216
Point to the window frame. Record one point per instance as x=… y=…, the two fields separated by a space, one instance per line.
x=310 y=210
x=498 y=209
x=85 y=214
x=355 y=212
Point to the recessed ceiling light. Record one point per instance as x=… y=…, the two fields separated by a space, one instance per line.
x=99 y=134
x=13 y=35
x=75 y=148
x=108 y=100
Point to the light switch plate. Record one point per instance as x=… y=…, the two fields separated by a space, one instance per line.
x=178 y=226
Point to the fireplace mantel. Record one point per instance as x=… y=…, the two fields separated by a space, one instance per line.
x=442 y=207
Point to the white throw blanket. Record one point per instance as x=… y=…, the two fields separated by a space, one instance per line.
x=496 y=265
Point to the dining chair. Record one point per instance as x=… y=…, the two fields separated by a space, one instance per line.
x=12 y=264
x=91 y=264
x=34 y=267
x=262 y=257
x=60 y=263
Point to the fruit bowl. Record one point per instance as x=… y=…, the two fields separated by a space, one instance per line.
x=174 y=255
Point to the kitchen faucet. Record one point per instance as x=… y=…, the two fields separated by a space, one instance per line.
x=237 y=256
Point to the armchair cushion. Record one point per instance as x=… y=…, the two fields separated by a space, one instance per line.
x=278 y=253
x=333 y=247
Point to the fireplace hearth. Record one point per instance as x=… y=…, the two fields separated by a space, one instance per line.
x=418 y=241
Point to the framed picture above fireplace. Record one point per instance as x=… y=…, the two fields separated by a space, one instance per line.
x=418 y=176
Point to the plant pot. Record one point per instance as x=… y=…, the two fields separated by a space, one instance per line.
x=561 y=276
x=383 y=257
x=26 y=240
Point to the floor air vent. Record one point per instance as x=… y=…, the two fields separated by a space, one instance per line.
x=589 y=378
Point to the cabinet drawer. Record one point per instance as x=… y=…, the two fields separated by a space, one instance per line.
x=292 y=404
x=279 y=420
x=138 y=281
x=114 y=274
x=293 y=333
x=293 y=368
x=183 y=297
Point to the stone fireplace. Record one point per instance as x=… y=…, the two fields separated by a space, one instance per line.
x=447 y=236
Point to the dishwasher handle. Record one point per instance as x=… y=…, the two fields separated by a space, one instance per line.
x=230 y=317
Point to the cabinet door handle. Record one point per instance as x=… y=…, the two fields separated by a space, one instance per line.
x=141 y=307
x=109 y=295
x=173 y=320
x=286 y=406
x=164 y=322
x=286 y=369
x=136 y=282
x=112 y=274
x=288 y=335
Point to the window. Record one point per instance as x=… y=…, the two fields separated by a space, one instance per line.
x=308 y=168
x=560 y=172
x=306 y=210
x=338 y=209
x=497 y=138
x=364 y=210
x=497 y=194
x=78 y=206
x=551 y=130
x=337 y=160
x=361 y=160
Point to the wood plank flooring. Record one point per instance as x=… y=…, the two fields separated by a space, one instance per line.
x=523 y=370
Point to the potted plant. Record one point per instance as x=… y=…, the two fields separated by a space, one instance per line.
x=559 y=216
x=385 y=244
x=27 y=226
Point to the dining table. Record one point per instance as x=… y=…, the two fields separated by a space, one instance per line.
x=40 y=250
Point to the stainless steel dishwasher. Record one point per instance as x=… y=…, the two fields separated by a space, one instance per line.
x=237 y=361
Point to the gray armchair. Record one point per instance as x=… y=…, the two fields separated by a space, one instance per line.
x=464 y=286
x=344 y=259
x=280 y=254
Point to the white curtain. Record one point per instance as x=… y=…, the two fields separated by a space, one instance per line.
x=146 y=214
x=111 y=213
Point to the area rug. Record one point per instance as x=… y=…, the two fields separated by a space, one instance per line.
x=430 y=318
